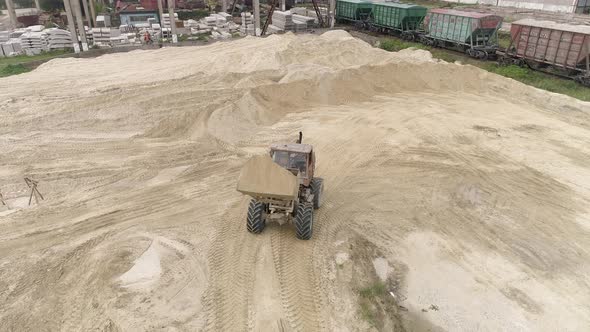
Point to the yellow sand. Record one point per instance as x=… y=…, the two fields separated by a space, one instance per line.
x=471 y=190
x=262 y=178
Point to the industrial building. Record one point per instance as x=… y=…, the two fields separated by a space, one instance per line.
x=561 y=6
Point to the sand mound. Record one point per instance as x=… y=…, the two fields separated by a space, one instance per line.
x=462 y=195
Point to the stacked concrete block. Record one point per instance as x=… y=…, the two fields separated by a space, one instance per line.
x=218 y=19
x=273 y=29
x=308 y=21
x=101 y=36
x=166 y=19
x=227 y=16
x=247 y=27
x=58 y=38
x=283 y=20
x=11 y=47
x=191 y=24
x=33 y=43
x=4 y=36
x=166 y=33
x=124 y=39
x=298 y=11
x=210 y=21
x=103 y=21
x=299 y=26
x=89 y=36
x=16 y=33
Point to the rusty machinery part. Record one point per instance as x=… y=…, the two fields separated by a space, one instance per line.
x=269 y=17
x=34 y=191
x=318 y=13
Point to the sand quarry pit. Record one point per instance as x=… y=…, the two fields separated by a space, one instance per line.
x=455 y=200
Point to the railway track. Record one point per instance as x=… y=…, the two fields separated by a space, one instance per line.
x=373 y=37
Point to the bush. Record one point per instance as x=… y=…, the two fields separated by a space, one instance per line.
x=24 y=3
x=196 y=14
x=51 y=5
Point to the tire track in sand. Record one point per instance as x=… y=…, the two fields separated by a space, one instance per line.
x=232 y=260
x=293 y=260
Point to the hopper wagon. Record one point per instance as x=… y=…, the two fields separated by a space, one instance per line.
x=355 y=11
x=473 y=33
x=397 y=18
x=561 y=49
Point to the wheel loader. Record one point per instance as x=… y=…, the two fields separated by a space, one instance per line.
x=296 y=206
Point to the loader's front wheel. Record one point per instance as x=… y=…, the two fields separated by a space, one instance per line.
x=255 y=220
x=304 y=221
x=317 y=189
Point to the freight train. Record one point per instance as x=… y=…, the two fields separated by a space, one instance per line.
x=559 y=49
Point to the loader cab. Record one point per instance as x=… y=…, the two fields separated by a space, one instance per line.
x=297 y=158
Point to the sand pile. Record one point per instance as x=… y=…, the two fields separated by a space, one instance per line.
x=463 y=194
x=262 y=177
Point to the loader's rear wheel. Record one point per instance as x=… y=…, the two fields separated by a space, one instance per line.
x=304 y=221
x=317 y=189
x=255 y=220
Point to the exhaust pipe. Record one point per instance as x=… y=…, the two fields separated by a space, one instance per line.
x=300 y=138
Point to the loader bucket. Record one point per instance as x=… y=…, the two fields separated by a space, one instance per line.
x=262 y=178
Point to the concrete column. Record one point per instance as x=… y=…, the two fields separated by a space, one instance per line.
x=172 y=21
x=11 y=13
x=78 y=12
x=72 y=25
x=332 y=13
x=37 y=5
x=86 y=12
x=283 y=5
x=92 y=13
x=160 y=12
x=256 y=5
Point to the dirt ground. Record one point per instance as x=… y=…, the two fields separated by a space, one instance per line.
x=455 y=199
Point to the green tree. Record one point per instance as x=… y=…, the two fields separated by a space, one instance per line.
x=51 y=5
x=24 y=3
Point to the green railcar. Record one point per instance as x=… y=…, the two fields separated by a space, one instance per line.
x=474 y=33
x=397 y=16
x=353 y=10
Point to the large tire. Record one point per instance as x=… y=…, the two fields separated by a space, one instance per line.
x=304 y=221
x=255 y=220
x=317 y=189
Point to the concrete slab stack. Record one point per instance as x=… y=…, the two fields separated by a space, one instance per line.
x=191 y=24
x=33 y=43
x=210 y=21
x=299 y=26
x=227 y=16
x=101 y=36
x=273 y=29
x=218 y=19
x=298 y=11
x=166 y=19
x=308 y=21
x=4 y=36
x=283 y=20
x=58 y=38
x=11 y=47
x=103 y=21
x=247 y=27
